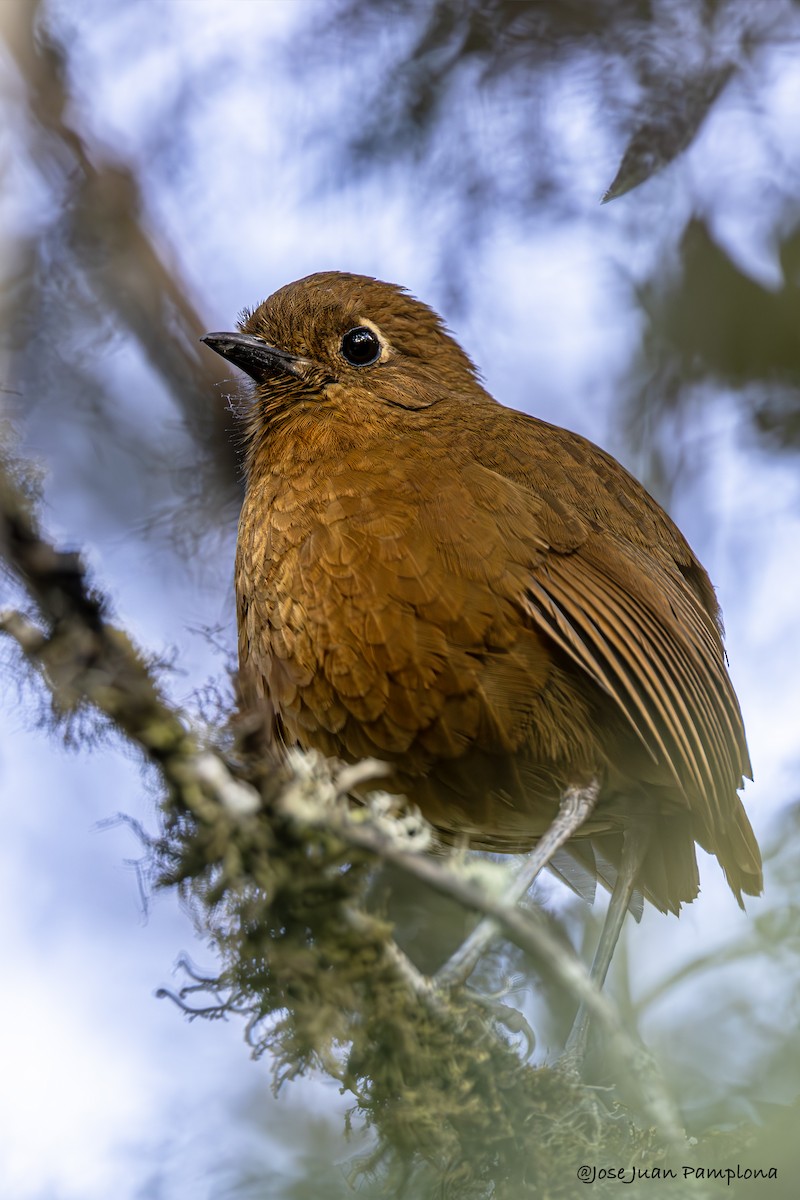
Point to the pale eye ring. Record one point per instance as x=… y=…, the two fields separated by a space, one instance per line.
x=361 y=346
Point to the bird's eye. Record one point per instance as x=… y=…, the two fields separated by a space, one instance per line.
x=361 y=347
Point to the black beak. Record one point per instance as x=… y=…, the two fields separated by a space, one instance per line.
x=253 y=355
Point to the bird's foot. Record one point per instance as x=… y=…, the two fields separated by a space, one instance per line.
x=511 y=1019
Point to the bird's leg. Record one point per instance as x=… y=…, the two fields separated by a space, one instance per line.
x=634 y=847
x=576 y=805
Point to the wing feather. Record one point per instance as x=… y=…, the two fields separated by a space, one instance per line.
x=647 y=644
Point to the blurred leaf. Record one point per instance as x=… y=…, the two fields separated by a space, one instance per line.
x=720 y=321
x=667 y=126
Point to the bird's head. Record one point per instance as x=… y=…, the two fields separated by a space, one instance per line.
x=348 y=343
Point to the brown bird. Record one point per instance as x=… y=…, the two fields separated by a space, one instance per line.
x=490 y=603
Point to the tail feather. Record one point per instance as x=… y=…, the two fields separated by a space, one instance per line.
x=738 y=854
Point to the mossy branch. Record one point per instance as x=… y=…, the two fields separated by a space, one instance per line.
x=276 y=861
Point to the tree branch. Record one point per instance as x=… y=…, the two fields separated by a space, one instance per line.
x=265 y=852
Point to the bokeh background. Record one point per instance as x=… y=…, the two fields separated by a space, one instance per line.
x=167 y=162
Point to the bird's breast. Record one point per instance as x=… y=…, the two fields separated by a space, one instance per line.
x=370 y=634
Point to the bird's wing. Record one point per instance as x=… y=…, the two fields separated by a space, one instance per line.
x=631 y=622
x=638 y=631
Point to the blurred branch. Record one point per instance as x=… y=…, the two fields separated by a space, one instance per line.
x=83 y=658
x=134 y=278
x=675 y=62
x=712 y=332
x=754 y=945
